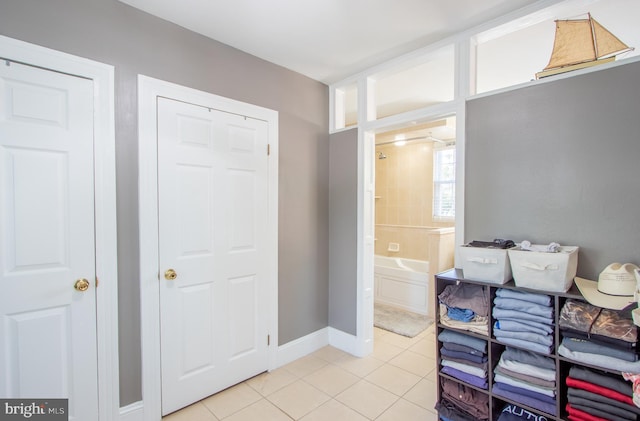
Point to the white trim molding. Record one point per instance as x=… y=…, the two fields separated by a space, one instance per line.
x=300 y=347
x=132 y=412
x=349 y=343
x=314 y=341
x=149 y=90
x=102 y=76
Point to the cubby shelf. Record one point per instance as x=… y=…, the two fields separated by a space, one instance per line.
x=495 y=347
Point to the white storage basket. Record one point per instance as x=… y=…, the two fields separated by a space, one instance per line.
x=485 y=264
x=553 y=272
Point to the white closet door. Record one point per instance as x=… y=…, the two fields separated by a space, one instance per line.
x=47 y=247
x=212 y=194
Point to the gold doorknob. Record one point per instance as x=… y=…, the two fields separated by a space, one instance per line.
x=170 y=274
x=81 y=285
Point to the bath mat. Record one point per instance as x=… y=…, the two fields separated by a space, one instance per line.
x=399 y=321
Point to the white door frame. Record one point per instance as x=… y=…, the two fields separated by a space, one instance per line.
x=148 y=90
x=104 y=202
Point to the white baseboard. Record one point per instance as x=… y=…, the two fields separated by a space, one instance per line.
x=300 y=347
x=132 y=412
x=287 y=353
x=346 y=342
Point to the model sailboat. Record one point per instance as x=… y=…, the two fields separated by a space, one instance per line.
x=581 y=43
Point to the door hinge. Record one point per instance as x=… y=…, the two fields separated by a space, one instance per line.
x=268 y=340
x=268 y=149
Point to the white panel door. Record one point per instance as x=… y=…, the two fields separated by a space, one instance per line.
x=48 y=327
x=212 y=194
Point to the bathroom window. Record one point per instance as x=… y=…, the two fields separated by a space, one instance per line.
x=444 y=183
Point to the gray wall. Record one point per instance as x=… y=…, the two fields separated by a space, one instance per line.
x=343 y=235
x=559 y=161
x=134 y=42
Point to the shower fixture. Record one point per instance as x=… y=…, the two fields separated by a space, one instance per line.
x=382 y=155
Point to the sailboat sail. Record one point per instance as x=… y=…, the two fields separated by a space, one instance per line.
x=581 y=41
x=573 y=44
x=607 y=44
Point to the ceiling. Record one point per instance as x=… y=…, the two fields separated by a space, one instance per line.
x=328 y=40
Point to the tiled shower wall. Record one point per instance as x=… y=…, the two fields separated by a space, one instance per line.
x=404 y=200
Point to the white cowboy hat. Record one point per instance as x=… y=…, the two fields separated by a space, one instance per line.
x=615 y=288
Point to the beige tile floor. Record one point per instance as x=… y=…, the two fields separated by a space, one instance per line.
x=396 y=382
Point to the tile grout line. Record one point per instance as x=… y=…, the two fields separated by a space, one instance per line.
x=337 y=359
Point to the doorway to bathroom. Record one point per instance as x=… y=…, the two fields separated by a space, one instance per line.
x=414 y=221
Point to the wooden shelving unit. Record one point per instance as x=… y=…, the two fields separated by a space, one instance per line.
x=495 y=348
